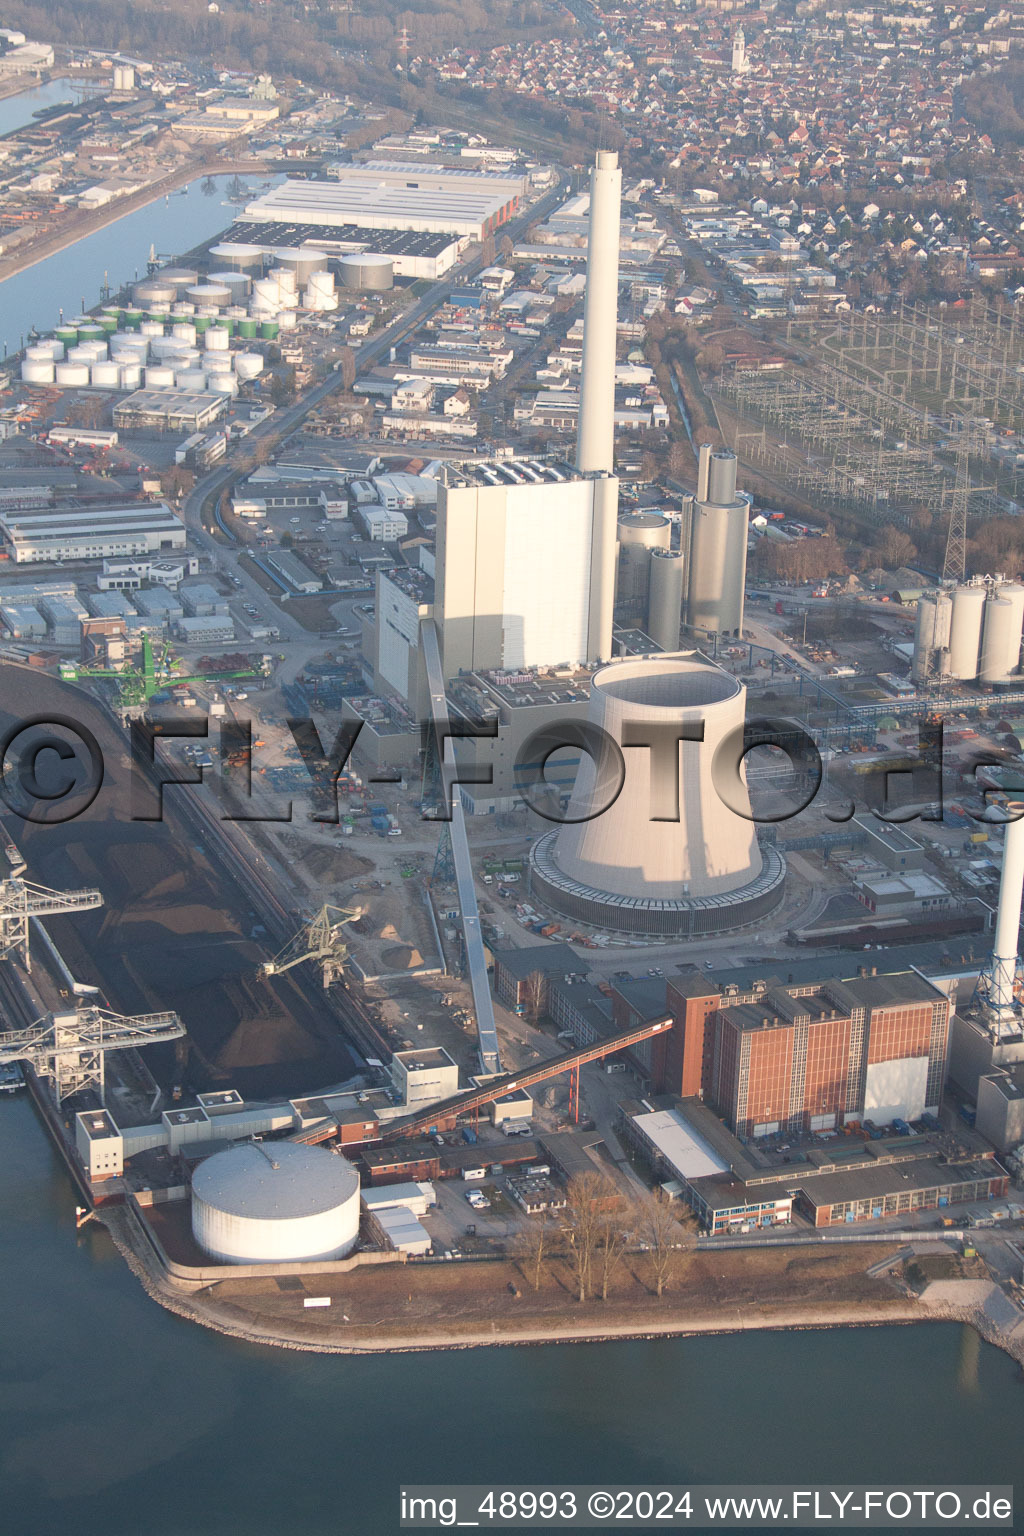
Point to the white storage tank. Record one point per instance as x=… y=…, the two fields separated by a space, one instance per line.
x=178 y=278
x=71 y=375
x=275 y=1202
x=151 y=328
x=932 y=627
x=51 y=350
x=302 y=262
x=248 y=365
x=239 y=258
x=369 y=271
x=266 y=292
x=159 y=377
x=184 y=330
x=287 y=319
x=87 y=352
x=131 y=375
x=222 y=383
x=214 y=295
x=191 y=379
x=38 y=370
x=1001 y=632
x=218 y=362
x=105 y=375
x=965 y=632
x=236 y=283
x=217 y=339
x=152 y=291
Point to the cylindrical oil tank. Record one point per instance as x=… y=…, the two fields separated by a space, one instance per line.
x=153 y=291
x=91 y=332
x=89 y=353
x=1002 y=620
x=131 y=375
x=160 y=377
x=109 y=322
x=184 y=330
x=369 y=271
x=248 y=365
x=275 y=1202
x=222 y=383
x=248 y=328
x=191 y=379
x=202 y=324
x=237 y=284
x=665 y=603
x=50 y=350
x=639 y=533
x=266 y=291
x=105 y=376
x=133 y=319
x=269 y=330
x=236 y=258
x=207 y=294
x=965 y=632
x=236 y=313
x=218 y=362
x=178 y=278
x=183 y=310
x=68 y=334
x=151 y=328
x=287 y=319
x=38 y=370
x=301 y=263
x=285 y=278
x=167 y=346
x=216 y=339
x=71 y=375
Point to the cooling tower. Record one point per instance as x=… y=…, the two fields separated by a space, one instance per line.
x=699 y=866
x=717 y=564
x=665 y=602
x=596 y=435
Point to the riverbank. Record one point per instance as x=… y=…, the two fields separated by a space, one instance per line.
x=408 y=1309
x=81 y=225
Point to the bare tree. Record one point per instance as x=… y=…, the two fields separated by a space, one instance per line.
x=580 y=1227
x=347 y=368
x=530 y=1247
x=615 y=1233
x=660 y=1233
x=534 y=995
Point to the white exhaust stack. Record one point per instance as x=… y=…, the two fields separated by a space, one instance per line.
x=596 y=431
x=1011 y=894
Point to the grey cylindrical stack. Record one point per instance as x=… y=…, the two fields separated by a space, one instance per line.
x=664 y=607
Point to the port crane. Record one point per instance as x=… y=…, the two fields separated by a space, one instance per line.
x=156 y=670
x=70 y=1048
x=20 y=901
x=321 y=940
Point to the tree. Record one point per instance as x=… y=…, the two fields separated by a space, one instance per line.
x=505 y=247
x=530 y=1247
x=580 y=1227
x=534 y=996
x=659 y=1233
x=614 y=1235
x=347 y=368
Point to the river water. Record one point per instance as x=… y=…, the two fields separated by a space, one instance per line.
x=71 y=279
x=118 y=1419
x=17 y=111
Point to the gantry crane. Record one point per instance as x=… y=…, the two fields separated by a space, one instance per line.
x=321 y=940
x=20 y=900
x=155 y=671
x=70 y=1047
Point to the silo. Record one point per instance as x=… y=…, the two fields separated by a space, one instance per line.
x=105 y=376
x=965 y=632
x=275 y=1202
x=154 y=291
x=160 y=377
x=931 y=636
x=373 y=273
x=248 y=365
x=1003 y=618
x=71 y=375
x=236 y=258
x=208 y=295
x=716 y=566
x=665 y=603
x=638 y=533
x=38 y=370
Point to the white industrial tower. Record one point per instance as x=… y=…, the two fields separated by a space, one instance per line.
x=715 y=530
x=595 y=439
x=1000 y=984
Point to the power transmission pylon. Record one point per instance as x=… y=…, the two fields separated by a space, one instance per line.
x=954 y=567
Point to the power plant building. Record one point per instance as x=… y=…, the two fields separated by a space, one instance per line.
x=275 y=1202
x=525 y=565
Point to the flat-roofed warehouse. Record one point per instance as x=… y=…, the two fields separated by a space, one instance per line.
x=382 y=195
x=168 y=410
x=91 y=533
x=412 y=252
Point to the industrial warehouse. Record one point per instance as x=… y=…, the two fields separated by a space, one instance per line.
x=72 y=532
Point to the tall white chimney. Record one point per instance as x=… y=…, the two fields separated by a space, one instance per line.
x=596 y=433
x=1007 y=940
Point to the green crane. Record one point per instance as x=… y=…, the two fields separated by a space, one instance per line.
x=155 y=672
